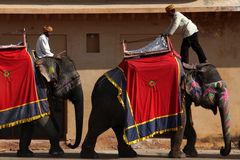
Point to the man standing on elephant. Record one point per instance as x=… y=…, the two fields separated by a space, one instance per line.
x=42 y=45
x=189 y=30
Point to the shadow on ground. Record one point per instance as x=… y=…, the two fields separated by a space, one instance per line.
x=203 y=156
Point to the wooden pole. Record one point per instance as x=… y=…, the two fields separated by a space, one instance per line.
x=24 y=37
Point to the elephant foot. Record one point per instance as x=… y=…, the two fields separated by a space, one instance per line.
x=24 y=153
x=126 y=151
x=89 y=154
x=190 y=151
x=58 y=151
x=176 y=154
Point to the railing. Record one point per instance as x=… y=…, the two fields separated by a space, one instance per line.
x=22 y=44
x=159 y=44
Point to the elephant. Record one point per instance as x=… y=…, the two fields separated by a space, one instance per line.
x=107 y=112
x=63 y=82
x=204 y=86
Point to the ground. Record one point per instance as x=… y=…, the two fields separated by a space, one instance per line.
x=109 y=142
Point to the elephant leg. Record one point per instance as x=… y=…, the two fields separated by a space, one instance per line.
x=190 y=133
x=25 y=140
x=48 y=125
x=124 y=150
x=176 y=141
x=177 y=137
x=96 y=127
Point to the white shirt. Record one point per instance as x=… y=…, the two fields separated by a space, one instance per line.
x=42 y=47
x=180 y=21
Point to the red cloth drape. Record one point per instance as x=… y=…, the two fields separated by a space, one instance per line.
x=17 y=83
x=152 y=86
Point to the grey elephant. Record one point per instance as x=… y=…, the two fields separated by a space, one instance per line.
x=63 y=82
x=205 y=87
x=108 y=112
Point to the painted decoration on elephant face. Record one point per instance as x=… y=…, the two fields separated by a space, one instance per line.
x=193 y=88
x=211 y=89
x=209 y=93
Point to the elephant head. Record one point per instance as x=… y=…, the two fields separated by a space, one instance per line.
x=206 y=88
x=64 y=82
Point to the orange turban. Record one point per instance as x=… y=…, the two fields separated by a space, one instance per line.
x=47 y=28
x=170 y=7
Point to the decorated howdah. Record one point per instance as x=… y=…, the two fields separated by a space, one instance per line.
x=23 y=96
x=149 y=91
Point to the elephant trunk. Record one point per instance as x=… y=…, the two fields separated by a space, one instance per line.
x=225 y=120
x=76 y=97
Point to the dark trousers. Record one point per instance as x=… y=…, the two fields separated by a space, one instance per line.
x=192 y=41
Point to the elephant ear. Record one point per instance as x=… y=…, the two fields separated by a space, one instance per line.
x=189 y=66
x=191 y=82
x=193 y=87
x=42 y=69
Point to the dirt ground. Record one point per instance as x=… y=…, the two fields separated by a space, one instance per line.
x=110 y=143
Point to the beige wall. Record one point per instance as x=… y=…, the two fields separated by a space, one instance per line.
x=219 y=35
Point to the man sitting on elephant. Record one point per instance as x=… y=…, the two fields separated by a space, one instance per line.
x=42 y=45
